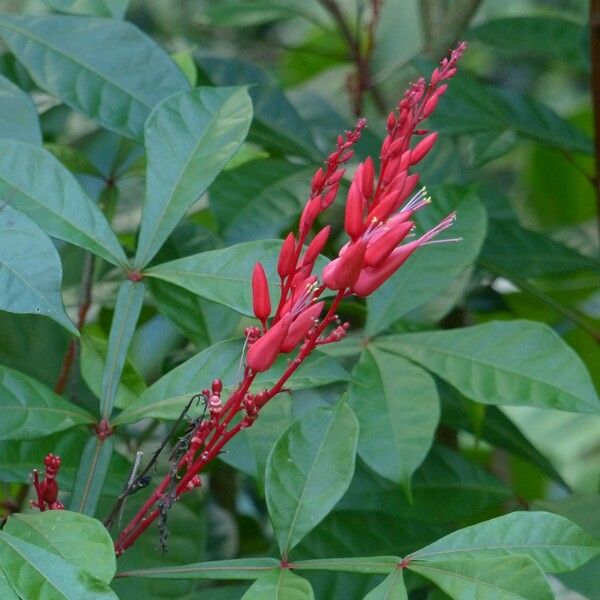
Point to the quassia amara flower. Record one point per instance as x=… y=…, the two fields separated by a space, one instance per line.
x=380 y=205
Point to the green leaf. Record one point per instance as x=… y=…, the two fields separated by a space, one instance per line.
x=431 y=269
x=372 y=565
x=506 y=578
x=584 y=510
x=351 y=533
x=280 y=584
x=496 y=429
x=185 y=62
x=445 y=479
x=555 y=543
x=397 y=408
x=249 y=450
x=166 y=398
x=539 y=35
x=80 y=540
x=308 y=470
x=108 y=70
x=127 y=310
x=30 y=410
x=277 y=124
x=391 y=588
x=260 y=198
x=93 y=468
x=189 y=138
x=97 y=8
x=514 y=249
x=35 y=183
x=503 y=362
x=37 y=573
x=472 y=107
x=241 y=568
x=249 y=14
x=92 y=359
x=18 y=114
x=30 y=269
x=223 y=276
x=7 y=591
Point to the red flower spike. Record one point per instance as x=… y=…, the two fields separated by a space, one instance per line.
x=302 y=324
x=379 y=249
x=315 y=247
x=368 y=178
x=353 y=222
x=422 y=148
x=285 y=264
x=261 y=300
x=264 y=351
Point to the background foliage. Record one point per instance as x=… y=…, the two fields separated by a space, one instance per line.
x=467 y=388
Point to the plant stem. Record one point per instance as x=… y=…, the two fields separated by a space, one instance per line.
x=85 y=301
x=361 y=61
x=595 y=90
x=220 y=435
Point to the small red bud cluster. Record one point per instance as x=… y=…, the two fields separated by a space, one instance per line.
x=47 y=489
x=378 y=218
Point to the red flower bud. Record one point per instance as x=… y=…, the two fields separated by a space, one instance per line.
x=317 y=180
x=353 y=222
x=336 y=177
x=315 y=247
x=261 y=300
x=309 y=214
x=285 y=264
x=264 y=351
x=422 y=148
x=328 y=198
x=368 y=178
x=302 y=324
x=391 y=122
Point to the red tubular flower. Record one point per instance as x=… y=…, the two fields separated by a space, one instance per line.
x=344 y=271
x=316 y=246
x=371 y=278
x=285 y=264
x=353 y=223
x=261 y=300
x=422 y=148
x=380 y=248
x=264 y=351
x=302 y=324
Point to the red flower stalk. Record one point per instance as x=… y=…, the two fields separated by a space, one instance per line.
x=47 y=489
x=378 y=218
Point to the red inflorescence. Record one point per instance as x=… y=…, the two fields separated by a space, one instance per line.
x=47 y=489
x=378 y=219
